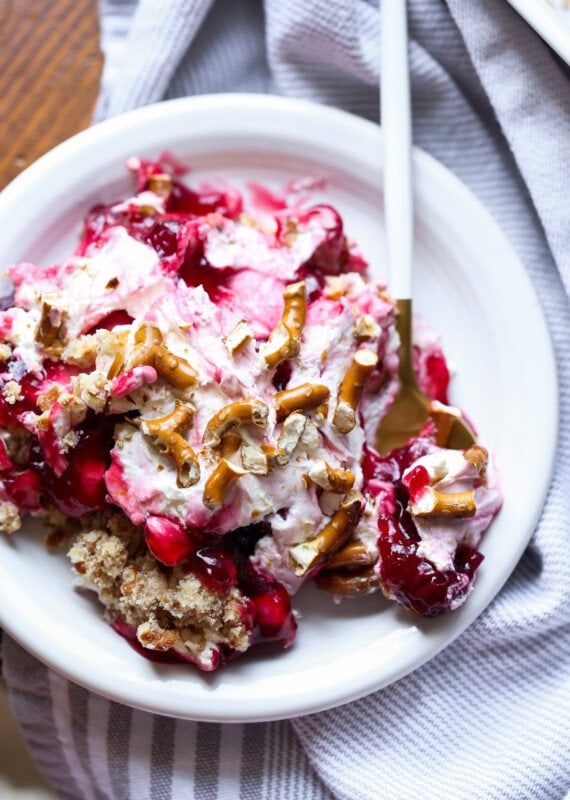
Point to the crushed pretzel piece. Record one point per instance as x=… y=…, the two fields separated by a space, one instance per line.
x=366 y=328
x=49 y=332
x=349 y=583
x=363 y=362
x=289 y=437
x=242 y=412
x=153 y=637
x=253 y=459
x=284 y=340
x=238 y=338
x=299 y=398
x=311 y=438
x=10 y=520
x=11 y=392
x=335 y=286
x=332 y=479
x=270 y=450
x=432 y=503
x=478 y=457
x=166 y=435
x=219 y=482
x=160 y=184
x=316 y=551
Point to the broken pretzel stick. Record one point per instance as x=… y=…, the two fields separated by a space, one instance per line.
x=294 y=312
x=363 y=362
x=49 y=329
x=315 y=552
x=242 y=412
x=166 y=435
x=299 y=398
x=432 y=503
x=219 y=482
x=238 y=338
x=349 y=583
x=253 y=459
x=289 y=437
x=119 y=341
x=332 y=479
x=149 y=350
x=160 y=183
x=231 y=443
x=353 y=554
x=285 y=339
x=478 y=457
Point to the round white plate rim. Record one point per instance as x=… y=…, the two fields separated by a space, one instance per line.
x=327 y=121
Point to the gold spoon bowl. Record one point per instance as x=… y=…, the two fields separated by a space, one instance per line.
x=411 y=408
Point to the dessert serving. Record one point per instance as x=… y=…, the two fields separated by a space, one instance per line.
x=190 y=403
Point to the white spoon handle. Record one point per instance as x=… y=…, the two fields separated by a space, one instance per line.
x=397 y=127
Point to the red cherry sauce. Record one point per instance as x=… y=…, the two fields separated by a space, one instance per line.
x=330 y=254
x=196 y=271
x=437 y=378
x=24 y=489
x=411 y=579
x=119 y=317
x=81 y=486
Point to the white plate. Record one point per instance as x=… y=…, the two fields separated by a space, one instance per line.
x=551 y=20
x=470 y=285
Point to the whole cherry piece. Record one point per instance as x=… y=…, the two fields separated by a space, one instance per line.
x=168 y=541
x=215 y=567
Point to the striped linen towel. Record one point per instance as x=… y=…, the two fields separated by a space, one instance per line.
x=489 y=717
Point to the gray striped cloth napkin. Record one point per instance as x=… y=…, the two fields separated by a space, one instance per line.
x=490 y=716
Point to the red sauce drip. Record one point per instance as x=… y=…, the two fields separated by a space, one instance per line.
x=119 y=317
x=184 y=200
x=438 y=378
x=196 y=271
x=416 y=482
x=81 y=487
x=24 y=489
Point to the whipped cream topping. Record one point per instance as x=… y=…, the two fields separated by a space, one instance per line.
x=451 y=473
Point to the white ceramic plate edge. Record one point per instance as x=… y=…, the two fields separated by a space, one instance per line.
x=56 y=658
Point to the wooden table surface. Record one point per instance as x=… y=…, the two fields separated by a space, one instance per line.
x=50 y=67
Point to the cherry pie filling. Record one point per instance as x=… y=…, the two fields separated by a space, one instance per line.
x=77 y=479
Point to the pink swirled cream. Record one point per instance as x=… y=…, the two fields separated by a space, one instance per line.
x=190 y=403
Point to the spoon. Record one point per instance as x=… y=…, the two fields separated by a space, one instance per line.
x=411 y=408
